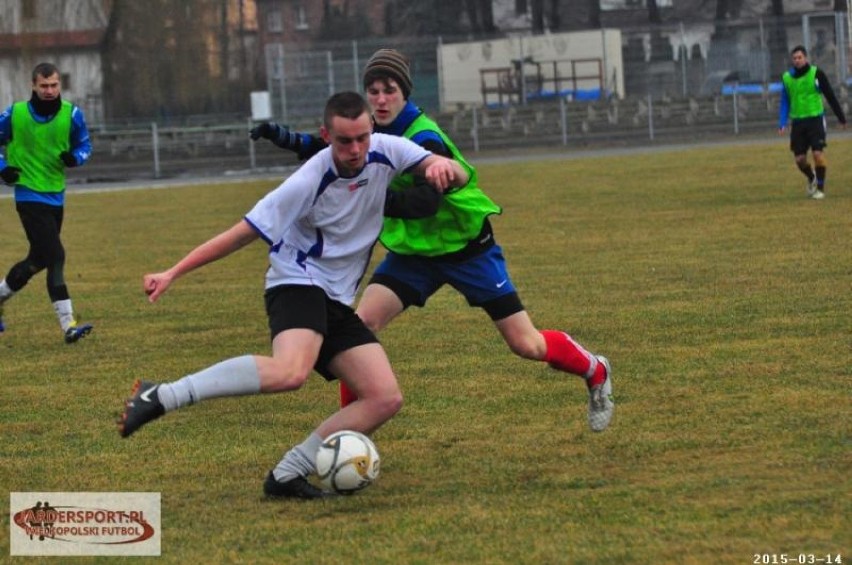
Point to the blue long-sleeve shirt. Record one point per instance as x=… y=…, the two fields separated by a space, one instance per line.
x=80 y=148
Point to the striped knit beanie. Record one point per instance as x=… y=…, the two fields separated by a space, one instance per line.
x=389 y=63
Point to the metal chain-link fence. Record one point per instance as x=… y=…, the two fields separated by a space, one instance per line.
x=680 y=83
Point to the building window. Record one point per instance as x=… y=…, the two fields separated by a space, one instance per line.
x=300 y=17
x=273 y=21
x=521 y=7
x=28 y=9
x=65 y=81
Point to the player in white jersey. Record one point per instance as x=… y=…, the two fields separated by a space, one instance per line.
x=320 y=224
x=323 y=223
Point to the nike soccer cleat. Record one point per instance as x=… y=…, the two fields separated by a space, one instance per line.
x=144 y=405
x=75 y=333
x=601 y=405
x=294 y=488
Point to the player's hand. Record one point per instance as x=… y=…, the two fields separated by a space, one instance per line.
x=440 y=174
x=68 y=158
x=156 y=284
x=10 y=174
x=782 y=131
x=265 y=130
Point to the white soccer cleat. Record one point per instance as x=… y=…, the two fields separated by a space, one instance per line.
x=601 y=404
x=818 y=195
x=812 y=189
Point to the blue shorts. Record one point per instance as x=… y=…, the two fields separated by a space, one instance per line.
x=483 y=280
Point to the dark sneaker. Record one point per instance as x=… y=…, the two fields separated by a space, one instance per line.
x=144 y=405
x=76 y=333
x=294 y=488
x=601 y=404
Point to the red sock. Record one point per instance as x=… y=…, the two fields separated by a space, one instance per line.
x=347 y=397
x=565 y=354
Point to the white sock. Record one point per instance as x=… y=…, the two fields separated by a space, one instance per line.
x=300 y=461
x=233 y=377
x=65 y=313
x=5 y=292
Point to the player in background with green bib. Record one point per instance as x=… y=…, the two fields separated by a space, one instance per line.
x=42 y=137
x=801 y=108
x=454 y=245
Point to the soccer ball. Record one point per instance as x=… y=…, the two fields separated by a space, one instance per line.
x=347 y=462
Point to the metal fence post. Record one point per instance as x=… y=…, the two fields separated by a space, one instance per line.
x=736 y=110
x=650 y=117
x=155 y=146
x=474 y=131
x=252 y=157
x=563 y=117
x=329 y=62
x=355 y=70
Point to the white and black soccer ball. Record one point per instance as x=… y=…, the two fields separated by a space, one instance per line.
x=347 y=461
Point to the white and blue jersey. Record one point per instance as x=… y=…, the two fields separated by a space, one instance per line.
x=321 y=227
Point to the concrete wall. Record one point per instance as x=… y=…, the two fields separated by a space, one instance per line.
x=460 y=63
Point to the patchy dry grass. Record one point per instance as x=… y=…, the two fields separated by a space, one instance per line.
x=721 y=295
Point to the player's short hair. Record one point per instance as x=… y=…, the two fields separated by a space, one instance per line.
x=349 y=105
x=799 y=48
x=44 y=70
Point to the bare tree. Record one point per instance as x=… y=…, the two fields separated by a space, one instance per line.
x=343 y=21
x=169 y=48
x=594 y=13
x=653 y=12
x=721 y=30
x=778 y=39
x=555 y=16
x=480 y=13
x=537 y=13
x=425 y=17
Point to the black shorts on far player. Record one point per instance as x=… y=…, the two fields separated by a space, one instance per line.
x=807 y=133
x=295 y=306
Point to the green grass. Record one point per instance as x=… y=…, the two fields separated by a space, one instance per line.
x=721 y=295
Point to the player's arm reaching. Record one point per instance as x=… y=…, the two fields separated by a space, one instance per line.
x=238 y=236
x=417 y=201
x=304 y=145
x=442 y=173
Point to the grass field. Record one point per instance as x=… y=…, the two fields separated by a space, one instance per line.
x=721 y=295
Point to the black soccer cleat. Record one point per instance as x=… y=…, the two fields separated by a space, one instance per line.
x=75 y=333
x=294 y=488
x=144 y=405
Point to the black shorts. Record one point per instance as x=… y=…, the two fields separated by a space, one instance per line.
x=309 y=307
x=43 y=223
x=807 y=133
